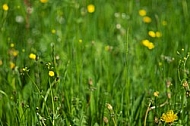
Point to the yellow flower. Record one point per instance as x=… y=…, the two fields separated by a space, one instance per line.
x=80 y=40
x=148 y=44
x=90 y=8
x=12 y=65
x=53 y=31
x=156 y=93
x=158 y=34
x=12 y=45
x=14 y=52
x=145 y=42
x=51 y=73
x=32 y=56
x=152 y=34
x=169 y=117
x=160 y=63
x=142 y=12
x=43 y=1
x=147 y=19
x=5 y=7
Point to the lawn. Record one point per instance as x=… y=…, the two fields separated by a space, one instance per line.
x=94 y=63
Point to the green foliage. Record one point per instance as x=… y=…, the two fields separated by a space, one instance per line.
x=108 y=64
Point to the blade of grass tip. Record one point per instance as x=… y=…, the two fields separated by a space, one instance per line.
x=2 y=92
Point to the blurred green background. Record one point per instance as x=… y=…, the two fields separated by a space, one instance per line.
x=131 y=55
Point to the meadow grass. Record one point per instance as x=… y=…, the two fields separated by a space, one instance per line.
x=94 y=63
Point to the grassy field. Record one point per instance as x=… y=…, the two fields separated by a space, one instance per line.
x=94 y=63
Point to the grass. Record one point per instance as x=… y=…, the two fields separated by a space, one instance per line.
x=102 y=73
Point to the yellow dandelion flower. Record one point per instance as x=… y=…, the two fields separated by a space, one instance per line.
x=151 y=45
x=147 y=19
x=51 y=73
x=43 y=1
x=32 y=56
x=145 y=42
x=12 y=65
x=169 y=117
x=152 y=34
x=142 y=12
x=158 y=34
x=90 y=8
x=148 y=44
x=5 y=7
x=156 y=93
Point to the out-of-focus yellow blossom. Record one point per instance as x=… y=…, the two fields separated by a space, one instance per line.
x=90 y=8
x=109 y=106
x=12 y=65
x=53 y=31
x=169 y=117
x=156 y=93
x=51 y=73
x=160 y=63
x=12 y=45
x=5 y=7
x=158 y=34
x=43 y=1
x=32 y=56
x=152 y=34
x=13 y=52
x=164 y=23
x=148 y=44
x=145 y=42
x=1 y=62
x=142 y=12
x=80 y=40
x=147 y=19
x=108 y=48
